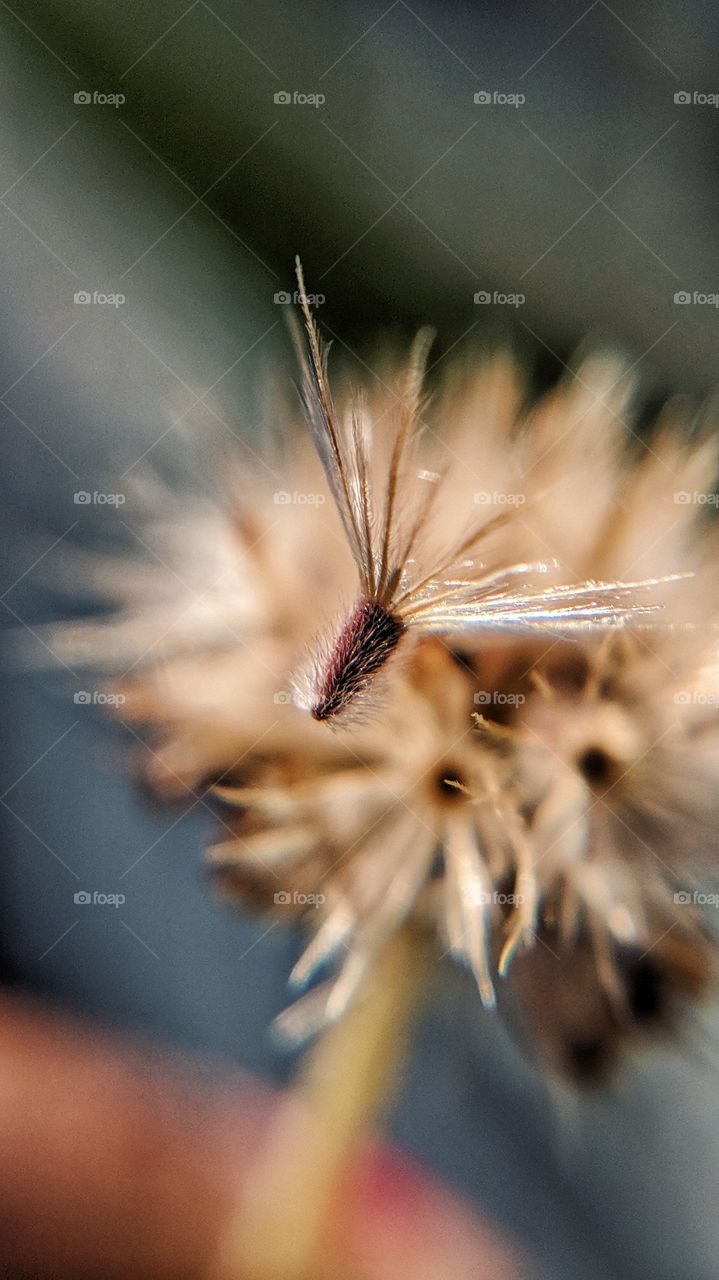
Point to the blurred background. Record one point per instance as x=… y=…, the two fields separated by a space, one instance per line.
x=161 y=164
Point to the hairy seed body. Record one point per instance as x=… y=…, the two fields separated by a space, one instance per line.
x=368 y=638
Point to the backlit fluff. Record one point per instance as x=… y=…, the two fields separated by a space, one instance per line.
x=549 y=793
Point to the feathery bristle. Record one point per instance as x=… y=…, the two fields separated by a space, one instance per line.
x=435 y=598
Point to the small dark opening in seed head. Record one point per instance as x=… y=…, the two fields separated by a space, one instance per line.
x=449 y=783
x=597 y=766
x=647 y=991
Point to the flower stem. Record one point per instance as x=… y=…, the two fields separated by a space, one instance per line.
x=283 y=1228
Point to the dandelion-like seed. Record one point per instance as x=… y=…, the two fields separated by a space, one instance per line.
x=457 y=593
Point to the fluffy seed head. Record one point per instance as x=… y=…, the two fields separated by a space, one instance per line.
x=545 y=803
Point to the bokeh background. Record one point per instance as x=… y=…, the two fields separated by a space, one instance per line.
x=592 y=194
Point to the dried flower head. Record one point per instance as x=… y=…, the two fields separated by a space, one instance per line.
x=540 y=789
